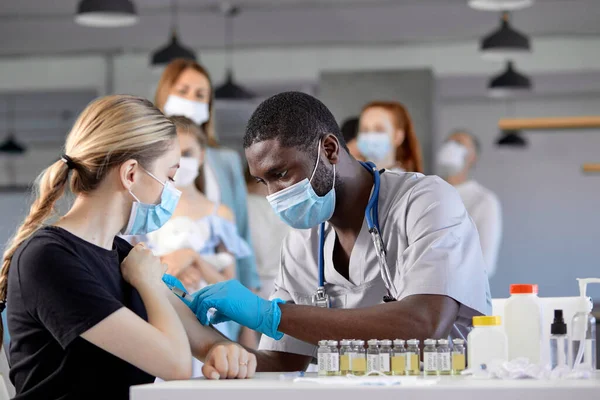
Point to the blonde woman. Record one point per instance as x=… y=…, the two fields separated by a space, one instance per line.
x=88 y=314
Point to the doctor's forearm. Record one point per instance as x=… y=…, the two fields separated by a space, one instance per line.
x=418 y=316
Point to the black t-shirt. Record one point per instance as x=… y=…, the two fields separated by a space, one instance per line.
x=59 y=286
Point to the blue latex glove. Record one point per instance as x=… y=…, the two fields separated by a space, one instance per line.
x=173 y=282
x=234 y=302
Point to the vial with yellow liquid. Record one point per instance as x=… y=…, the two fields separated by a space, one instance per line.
x=399 y=358
x=345 y=355
x=444 y=357
x=358 y=361
x=385 y=356
x=333 y=362
x=430 y=358
x=413 y=357
x=458 y=356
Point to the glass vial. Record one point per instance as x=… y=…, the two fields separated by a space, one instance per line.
x=322 y=356
x=358 y=362
x=385 y=356
x=333 y=362
x=458 y=356
x=413 y=357
x=373 y=355
x=399 y=358
x=430 y=357
x=345 y=354
x=444 y=357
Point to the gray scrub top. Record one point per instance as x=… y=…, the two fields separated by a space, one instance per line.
x=432 y=248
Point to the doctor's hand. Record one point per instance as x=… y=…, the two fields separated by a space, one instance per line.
x=229 y=360
x=233 y=301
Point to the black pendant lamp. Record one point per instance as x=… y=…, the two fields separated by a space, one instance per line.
x=509 y=82
x=512 y=138
x=10 y=146
x=174 y=49
x=504 y=43
x=106 y=13
x=500 y=5
x=230 y=90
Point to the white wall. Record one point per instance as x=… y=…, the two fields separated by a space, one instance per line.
x=550 y=209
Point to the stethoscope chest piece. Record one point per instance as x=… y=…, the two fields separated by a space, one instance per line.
x=320 y=298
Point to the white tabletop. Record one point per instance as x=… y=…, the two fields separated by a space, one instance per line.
x=268 y=386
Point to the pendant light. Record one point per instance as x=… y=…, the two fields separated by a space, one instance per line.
x=508 y=83
x=106 y=13
x=500 y=5
x=505 y=43
x=230 y=90
x=10 y=146
x=511 y=139
x=173 y=50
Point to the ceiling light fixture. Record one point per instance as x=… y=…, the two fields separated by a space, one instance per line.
x=505 y=43
x=173 y=50
x=500 y=5
x=106 y=13
x=509 y=82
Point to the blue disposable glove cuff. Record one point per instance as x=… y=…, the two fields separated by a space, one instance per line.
x=275 y=320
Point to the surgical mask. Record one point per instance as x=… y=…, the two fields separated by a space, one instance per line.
x=145 y=218
x=451 y=158
x=187 y=172
x=375 y=146
x=300 y=207
x=194 y=110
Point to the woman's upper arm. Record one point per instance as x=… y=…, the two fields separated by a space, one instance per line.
x=137 y=343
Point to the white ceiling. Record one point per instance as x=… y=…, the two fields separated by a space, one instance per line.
x=46 y=26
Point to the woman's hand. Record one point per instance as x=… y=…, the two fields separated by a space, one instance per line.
x=190 y=277
x=229 y=361
x=179 y=260
x=142 y=268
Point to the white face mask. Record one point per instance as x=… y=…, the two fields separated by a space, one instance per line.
x=451 y=159
x=194 y=110
x=187 y=172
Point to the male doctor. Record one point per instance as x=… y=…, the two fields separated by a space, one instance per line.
x=436 y=280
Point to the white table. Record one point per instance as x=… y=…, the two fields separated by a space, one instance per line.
x=268 y=386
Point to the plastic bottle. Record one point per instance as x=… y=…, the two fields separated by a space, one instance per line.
x=559 y=341
x=523 y=321
x=373 y=355
x=487 y=342
x=584 y=329
x=385 y=356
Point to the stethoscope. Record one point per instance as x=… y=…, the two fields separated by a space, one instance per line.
x=321 y=298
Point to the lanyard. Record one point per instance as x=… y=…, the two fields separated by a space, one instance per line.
x=372 y=217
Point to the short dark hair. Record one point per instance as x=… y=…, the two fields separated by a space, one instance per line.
x=350 y=129
x=295 y=119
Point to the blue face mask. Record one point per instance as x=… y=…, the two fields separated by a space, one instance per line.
x=300 y=207
x=375 y=146
x=145 y=218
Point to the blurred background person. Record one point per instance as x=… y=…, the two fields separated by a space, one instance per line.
x=350 y=132
x=387 y=137
x=185 y=89
x=267 y=231
x=455 y=160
